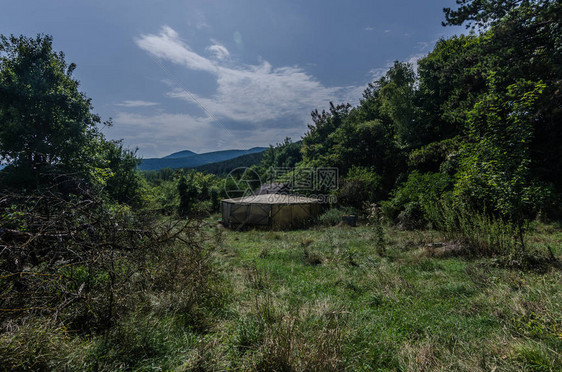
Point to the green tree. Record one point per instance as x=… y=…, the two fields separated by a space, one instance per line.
x=397 y=95
x=495 y=167
x=317 y=142
x=119 y=176
x=48 y=132
x=451 y=77
x=286 y=154
x=522 y=39
x=46 y=122
x=485 y=13
x=188 y=194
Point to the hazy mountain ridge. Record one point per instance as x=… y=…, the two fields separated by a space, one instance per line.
x=224 y=167
x=189 y=159
x=180 y=154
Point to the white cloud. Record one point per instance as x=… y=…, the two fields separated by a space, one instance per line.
x=413 y=60
x=253 y=105
x=136 y=103
x=219 y=52
x=369 y=28
x=377 y=73
x=167 y=45
x=246 y=93
x=178 y=132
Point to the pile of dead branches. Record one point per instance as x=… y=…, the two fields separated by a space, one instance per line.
x=84 y=261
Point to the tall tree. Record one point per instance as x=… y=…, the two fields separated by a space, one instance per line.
x=48 y=132
x=317 y=143
x=495 y=165
x=45 y=121
x=397 y=92
x=523 y=40
x=486 y=13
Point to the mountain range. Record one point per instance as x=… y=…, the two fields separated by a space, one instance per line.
x=222 y=168
x=189 y=159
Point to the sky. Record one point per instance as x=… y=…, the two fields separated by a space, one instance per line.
x=209 y=75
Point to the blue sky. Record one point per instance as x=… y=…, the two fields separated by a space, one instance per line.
x=221 y=74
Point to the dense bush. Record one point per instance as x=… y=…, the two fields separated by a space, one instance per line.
x=360 y=185
x=410 y=201
x=333 y=216
x=435 y=156
x=183 y=192
x=495 y=166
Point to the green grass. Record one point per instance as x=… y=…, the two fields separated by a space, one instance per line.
x=404 y=310
x=324 y=299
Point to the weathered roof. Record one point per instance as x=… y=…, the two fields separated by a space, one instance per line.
x=272 y=199
x=273 y=188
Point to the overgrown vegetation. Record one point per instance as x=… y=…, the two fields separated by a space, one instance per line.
x=412 y=305
x=320 y=299
x=82 y=269
x=452 y=171
x=90 y=277
x=473 y=130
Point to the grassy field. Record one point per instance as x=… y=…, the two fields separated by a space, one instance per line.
x=333 y=299
x=328 y=298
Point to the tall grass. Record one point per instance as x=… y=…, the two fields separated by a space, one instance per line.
x=479 y=232
x=274 y=338
x=376 y=219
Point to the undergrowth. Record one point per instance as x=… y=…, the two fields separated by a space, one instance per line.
x=324 y=299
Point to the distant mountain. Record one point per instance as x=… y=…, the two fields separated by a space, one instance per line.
x=224 y=167
x=180 y=154
x=189 y=159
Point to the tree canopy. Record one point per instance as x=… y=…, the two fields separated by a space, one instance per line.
x=479 y=120
x=46 y=120
x=48 y=128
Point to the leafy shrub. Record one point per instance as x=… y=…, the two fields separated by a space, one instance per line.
x=414 y=197
x=361 y=185
x=333 y=216
x=496 y=168
x=215 y=199
x=431 y=158
x=164 y=197
x=411 y=217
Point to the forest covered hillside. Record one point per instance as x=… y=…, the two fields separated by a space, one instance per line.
x=189 y=159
